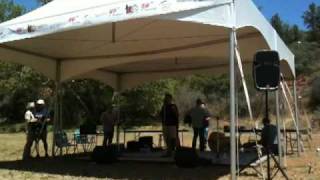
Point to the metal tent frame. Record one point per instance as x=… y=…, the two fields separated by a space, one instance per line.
x=229 y=16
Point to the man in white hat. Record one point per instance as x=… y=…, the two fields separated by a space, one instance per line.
x=31 y=130
x=42 y=115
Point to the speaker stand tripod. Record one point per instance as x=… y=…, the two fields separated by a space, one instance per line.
x=269 y=151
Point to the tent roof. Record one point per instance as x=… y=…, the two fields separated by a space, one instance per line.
x=126 y=43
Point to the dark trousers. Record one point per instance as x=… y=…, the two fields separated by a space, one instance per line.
x=170 y=134
x=108 y=136
x=43 y=138
x=31 y=137
x=198 y=132
x=35 y=137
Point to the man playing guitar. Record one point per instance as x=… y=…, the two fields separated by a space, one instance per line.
x=42 y=116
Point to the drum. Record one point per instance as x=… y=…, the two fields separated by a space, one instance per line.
x=218 y=142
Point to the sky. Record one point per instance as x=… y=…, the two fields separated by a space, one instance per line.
x=290 y=11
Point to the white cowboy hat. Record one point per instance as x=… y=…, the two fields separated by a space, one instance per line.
x=40 y=101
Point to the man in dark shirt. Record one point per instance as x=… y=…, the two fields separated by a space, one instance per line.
x=170 y=120
x=198 y=115
x=108 y=119
x=269 y=136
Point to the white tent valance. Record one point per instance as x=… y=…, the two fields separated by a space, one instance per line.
x=126 y=43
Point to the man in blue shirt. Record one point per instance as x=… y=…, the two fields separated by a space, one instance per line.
x=42 y=116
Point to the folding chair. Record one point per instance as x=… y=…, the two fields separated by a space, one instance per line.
x=62 y=142
x=253 y=164
x=85 y=140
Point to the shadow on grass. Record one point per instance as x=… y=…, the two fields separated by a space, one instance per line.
x=120 y=170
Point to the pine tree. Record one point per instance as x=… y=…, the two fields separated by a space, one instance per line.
x=277 y=24
x=288 y=34
x=9 y=10
x=295 y=33
x=311 y=19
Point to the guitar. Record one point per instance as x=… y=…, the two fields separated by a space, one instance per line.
x=42 y=117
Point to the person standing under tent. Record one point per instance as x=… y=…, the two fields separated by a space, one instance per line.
x=108 y=119
x=170 y=123
x=43 y=117
x=30 y=130
x=198 y=114
x=206 y=123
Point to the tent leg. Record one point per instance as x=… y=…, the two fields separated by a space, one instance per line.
x=60 y=113
x=278 y=129
x=296 y=115
x=57 y=106
x=237 y=135
x=60 y=109
x=232 y=105
x=284 y=160
x=55 y=120
x=117 y=96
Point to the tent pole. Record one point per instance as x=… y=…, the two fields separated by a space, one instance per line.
x=232 y=106
x=279 y=129
x=284 y=160
x=237 y=80
x=57 y=107
x=117 y=93
x=55 y=118
x=296 y=115
x=60 y=108
x=118 y=118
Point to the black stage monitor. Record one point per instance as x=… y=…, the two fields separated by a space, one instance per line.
x=266 y=70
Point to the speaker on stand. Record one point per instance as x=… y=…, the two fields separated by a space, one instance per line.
x=266 y=76
x=266 y=70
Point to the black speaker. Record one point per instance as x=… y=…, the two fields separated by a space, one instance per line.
x=266 y=70
x=104 y=155
x=133 y=146
x=186 y=157
x=146 y=142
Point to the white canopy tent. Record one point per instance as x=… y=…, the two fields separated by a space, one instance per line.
x=125 y=43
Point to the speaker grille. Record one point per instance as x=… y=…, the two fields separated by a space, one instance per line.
x=266 y=70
